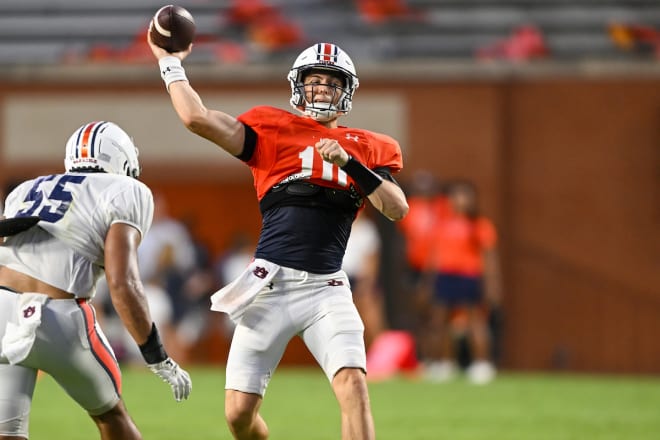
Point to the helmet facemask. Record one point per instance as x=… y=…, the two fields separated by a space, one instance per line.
x=328 y=57
x=320 y=109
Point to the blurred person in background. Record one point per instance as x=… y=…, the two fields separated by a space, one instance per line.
x=428 y=204
x=229 y=266
x=167 y=255
x=198 y=284
x=465 y=266
x=362 y=265
x=119 y=338
x=312 y=176
x=382 y=11
x=233 y=261
x=177 y=281
x=86 y=222
x=390 y=352
x=173 y=261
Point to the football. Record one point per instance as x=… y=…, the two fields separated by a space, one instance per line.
x=172 y=28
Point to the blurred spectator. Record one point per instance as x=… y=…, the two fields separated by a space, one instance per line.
x=467 y=285
x=229 y=265
x=199 y=283
x=235 y=259
x=167 y=255
x=200 y=332
x=362 y=265
x=172 y=260
x=380 y=11
x=135 y=52
x=265 y=25
x=427 y=205
x=525 y=43
x=245 y=12
x=389 y=352
x=635 y=38
x=172 y=275
x=223 y=49
x=120 y=340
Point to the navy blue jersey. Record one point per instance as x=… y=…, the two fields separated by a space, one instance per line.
x=305 y=238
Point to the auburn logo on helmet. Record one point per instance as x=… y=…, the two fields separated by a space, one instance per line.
x=327 y=53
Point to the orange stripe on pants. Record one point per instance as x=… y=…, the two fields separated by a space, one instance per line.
x=101 y=351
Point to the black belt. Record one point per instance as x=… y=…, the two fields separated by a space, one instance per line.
x=308 y=194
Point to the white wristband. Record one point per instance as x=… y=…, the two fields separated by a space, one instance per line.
x=171 y=70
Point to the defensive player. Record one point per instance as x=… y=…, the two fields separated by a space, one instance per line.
x=311 y=177
x=90 y=220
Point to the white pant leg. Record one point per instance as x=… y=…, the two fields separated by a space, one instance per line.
x=260 y=338
x=16 y=382
x=335 y=335
x=70 y=347
x=317 y=307
x=16 y=390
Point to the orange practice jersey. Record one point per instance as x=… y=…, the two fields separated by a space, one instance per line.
x=460 y=242
x=285 y=150
x=418 y=226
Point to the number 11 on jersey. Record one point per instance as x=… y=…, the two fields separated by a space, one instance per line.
x=308 y=156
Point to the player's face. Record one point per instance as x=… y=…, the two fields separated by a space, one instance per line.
x=321 y=86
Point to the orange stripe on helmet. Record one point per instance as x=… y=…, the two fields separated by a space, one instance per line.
x=84 y=150
x=327 y=52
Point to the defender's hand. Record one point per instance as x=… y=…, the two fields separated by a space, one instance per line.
x=177 y=377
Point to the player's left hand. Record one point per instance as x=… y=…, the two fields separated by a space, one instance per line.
x=177 y=377
x=331 y=151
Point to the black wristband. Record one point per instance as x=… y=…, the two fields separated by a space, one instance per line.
x=153 y=351
x=366 y=179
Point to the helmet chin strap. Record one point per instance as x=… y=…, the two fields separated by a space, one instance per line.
x=321 y=111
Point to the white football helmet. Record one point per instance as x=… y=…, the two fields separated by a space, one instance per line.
x=102 y=146
x=324 y=56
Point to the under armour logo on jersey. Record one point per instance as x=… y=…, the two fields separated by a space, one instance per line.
x=29 y=311
x=335 y=283
x=353 y=138
x=260 y=272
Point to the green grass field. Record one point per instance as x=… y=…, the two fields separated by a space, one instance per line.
x=299 y=406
